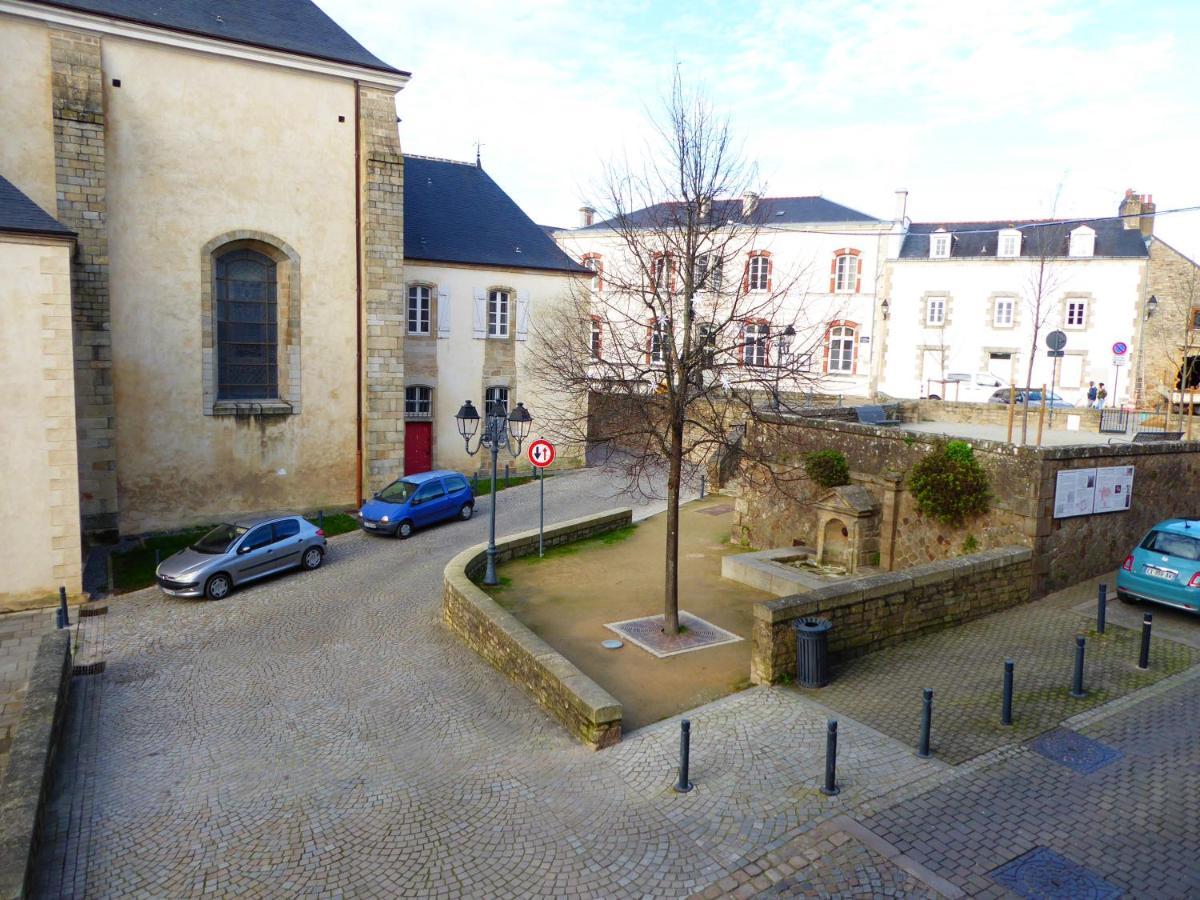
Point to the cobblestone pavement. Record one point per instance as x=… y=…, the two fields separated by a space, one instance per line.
x=323 y=734
x=965 y=667
x=1135 y=823
x=20 y=634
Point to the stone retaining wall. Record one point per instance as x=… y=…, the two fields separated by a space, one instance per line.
x=880 y=610
x=35 y=741
x=584 y=708
x=964 y=413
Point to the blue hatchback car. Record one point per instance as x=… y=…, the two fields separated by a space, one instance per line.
x=418 y=500
x=1164 y=567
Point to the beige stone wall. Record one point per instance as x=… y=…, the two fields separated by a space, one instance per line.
x=40 y=483
x=27 y=150
x=199 y=147
x=993 y=414
x=1174 y=280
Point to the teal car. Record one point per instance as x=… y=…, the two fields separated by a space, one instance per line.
x=1164 y=567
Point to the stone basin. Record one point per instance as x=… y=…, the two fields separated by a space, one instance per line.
x=784 y=571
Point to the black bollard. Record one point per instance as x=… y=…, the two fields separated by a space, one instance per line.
x=926 y=723
x=1144 y=656
x=108 y=562
x=64 y=618
x=831 y=786
x=506 y=474
x=1101 y=608
x=1006 y=712
x=321 y=519
x=701 y=486
x=685 y=739
x=1077 y=683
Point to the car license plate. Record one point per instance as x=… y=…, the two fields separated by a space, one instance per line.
x=1166 y=574
x=370 y=525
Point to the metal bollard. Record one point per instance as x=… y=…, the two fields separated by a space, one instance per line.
x=1006 y=712
x=926 y=723
x=683 y=785
x=506 y=474
x=321 y=519
x=702 y=486
x=64 y=618
x=109 y=564
x=831 y=786
x=1101 y=608
x=1077 y=690
x=1144 y=656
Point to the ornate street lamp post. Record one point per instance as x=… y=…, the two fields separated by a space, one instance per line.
x=784 y=339
x=498 y=431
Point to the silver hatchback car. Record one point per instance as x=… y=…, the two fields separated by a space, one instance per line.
x=236 y=553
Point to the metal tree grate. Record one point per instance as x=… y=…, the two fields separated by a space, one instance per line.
x=647 y=633
x=1042 y=873
x=1076 y=752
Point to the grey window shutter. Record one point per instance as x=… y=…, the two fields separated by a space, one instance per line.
x=480 y=313
x=522 y=315
x=443 y=313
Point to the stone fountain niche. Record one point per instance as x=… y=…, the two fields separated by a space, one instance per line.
x=847 y=528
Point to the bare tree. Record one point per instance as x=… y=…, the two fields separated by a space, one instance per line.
x=690 y=327
x=1046 y=243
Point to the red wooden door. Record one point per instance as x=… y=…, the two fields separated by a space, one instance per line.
x=418 y=447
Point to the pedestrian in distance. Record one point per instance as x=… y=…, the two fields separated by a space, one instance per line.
x=1091 y=394
x=1101 y=396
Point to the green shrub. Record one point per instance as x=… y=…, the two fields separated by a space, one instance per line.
x=949 y=484
x=970 y=545
x=827 y=468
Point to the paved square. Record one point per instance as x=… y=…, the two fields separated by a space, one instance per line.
x=647 y=633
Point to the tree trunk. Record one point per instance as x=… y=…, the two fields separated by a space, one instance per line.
x=674 y=473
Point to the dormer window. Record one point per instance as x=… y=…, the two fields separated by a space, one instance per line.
x=1083 y=241
x=1009 y=245
x=939 y=244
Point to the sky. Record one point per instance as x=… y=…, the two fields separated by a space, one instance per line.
x=980 y=110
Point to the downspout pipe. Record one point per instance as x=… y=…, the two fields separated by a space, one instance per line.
x=358 y=287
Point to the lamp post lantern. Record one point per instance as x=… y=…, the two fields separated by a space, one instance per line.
x=785 y=339
x=499 y=430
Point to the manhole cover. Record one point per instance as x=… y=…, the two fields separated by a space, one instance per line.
x=1042 y=873
x=718 y=510
x=612 y=644
x=1076 y=752
x=647 y=633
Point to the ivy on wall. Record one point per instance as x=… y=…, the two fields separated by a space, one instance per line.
x=828 y=468
x=949 y=484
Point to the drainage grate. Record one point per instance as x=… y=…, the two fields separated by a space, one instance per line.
x=718 y=510
x=647 y=633
x=1076 y=752
x=1041 y=873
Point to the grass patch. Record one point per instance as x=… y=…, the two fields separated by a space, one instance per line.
x=607 y=539
x=134 y=568
x=485 y=484
x=338 y=523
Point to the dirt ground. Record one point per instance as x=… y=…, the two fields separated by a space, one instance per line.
x=616 y=579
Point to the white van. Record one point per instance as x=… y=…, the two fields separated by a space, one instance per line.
x=965 y=387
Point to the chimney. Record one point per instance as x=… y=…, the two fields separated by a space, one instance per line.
x=705 y=209
x=1138 y=212
x=901 y=205
x=586 y=216
x=1147 y=220
x=749 y=204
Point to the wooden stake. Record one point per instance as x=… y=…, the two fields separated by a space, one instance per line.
x=1041 y=415
x=1012 y=408
x=1191 y=412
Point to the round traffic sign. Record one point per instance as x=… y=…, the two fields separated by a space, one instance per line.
x=1056 y=340
x=1120 y=348
x=541 y=453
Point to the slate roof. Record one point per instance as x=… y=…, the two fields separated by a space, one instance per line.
x=455 y=212
x=295 y=26
x=769 y=211
x=19 y=213
x=1112 y=238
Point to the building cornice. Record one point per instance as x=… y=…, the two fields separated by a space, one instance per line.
x=106 y=25
x=497 y=267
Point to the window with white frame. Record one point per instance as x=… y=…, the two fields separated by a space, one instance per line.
x=1002 y=315
x=759 y=277
x=597 y=339
x=1076 y=313
x=498 y=310
x=1010 y=244
x=418 y=309
x=495 y=401
x=706 y=340
x=939 y=245
x=657 y=342
x=662 y=272
x=418 y=402
x=592 y=261
x=935 y=311
x=846 y=274
x=708 y=272
x=1083 y=241
x=841 y=348
x=754 y=343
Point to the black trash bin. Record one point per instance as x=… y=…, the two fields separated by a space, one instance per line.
x=812 y=652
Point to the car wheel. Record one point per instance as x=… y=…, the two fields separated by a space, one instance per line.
x=218 y=587
x=405 y=529
x=1127 y=598
x=468 y=509
x=934 y=397
x=312 y=558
